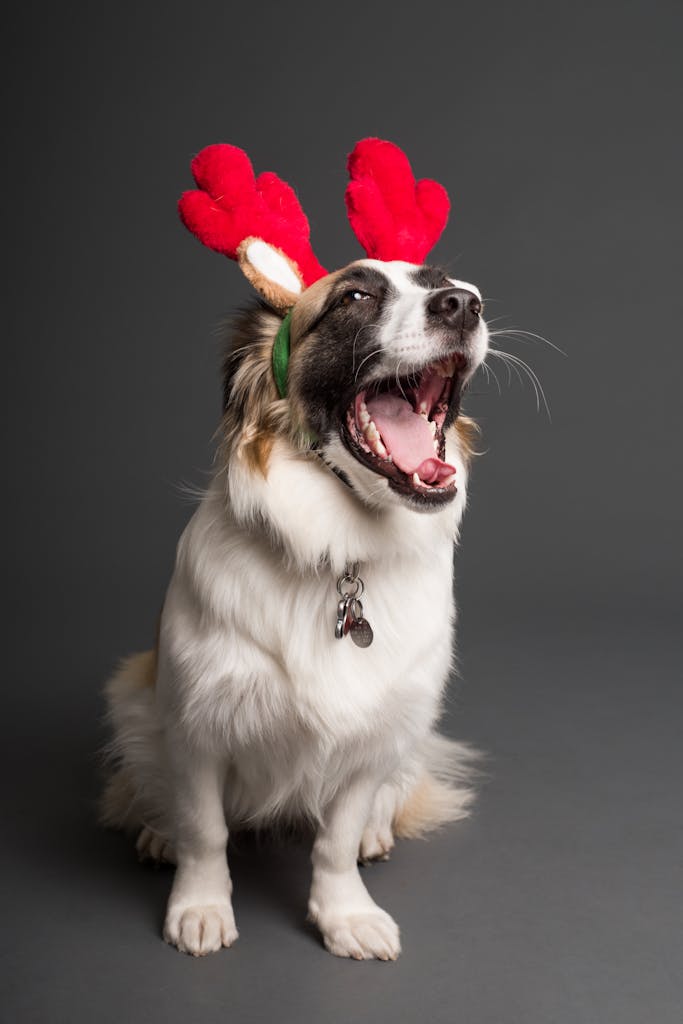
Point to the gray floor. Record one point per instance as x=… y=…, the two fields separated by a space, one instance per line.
x=558 y=902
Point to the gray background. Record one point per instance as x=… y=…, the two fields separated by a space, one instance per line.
x=556 y=129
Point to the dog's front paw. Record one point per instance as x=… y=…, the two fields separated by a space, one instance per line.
x=366 y=935
x=200 y=930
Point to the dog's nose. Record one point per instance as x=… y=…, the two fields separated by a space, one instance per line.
x=455 y=307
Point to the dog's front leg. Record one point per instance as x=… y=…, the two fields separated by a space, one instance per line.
x=199 y=917
x=350 y=921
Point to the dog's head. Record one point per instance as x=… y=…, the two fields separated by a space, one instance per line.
x=368 y=366
x=381 y=353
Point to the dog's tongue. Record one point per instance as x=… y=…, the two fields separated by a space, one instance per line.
x=408 y=438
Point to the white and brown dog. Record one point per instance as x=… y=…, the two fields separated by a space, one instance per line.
x=251 y=710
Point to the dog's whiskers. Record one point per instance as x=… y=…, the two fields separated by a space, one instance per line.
x=369 y=356
x=519 y=364
x=516 y=334
x=355 y=339
x=490 y=372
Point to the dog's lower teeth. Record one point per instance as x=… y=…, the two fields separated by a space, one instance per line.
x=416 y=479
x=448 y=481
x=363 y=415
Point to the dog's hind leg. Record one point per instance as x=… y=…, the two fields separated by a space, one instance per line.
x=154 y=846
x=377 y=840
x=135 y=797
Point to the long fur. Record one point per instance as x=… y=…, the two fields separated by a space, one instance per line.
x=247 y=669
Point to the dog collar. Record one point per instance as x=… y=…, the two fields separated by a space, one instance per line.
x=281 y=355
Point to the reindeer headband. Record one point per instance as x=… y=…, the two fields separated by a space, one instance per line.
x=259 y=221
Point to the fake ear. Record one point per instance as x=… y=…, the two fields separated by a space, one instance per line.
x=256 y=221
x=272 y=273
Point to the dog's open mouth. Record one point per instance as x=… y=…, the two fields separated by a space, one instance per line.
x=396 y=428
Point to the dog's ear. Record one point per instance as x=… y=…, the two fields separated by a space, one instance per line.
x=256 y=221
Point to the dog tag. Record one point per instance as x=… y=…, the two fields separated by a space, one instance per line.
x=361 y=632
x=360 y=629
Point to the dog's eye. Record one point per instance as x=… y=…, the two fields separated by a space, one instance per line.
x=355 y=295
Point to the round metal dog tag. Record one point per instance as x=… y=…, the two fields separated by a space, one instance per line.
x=361 y=632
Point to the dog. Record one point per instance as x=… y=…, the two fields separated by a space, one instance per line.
x=306 y=635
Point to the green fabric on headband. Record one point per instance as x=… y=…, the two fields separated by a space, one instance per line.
x=281 y=356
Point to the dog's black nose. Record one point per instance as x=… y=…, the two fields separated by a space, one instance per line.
x=455 y=307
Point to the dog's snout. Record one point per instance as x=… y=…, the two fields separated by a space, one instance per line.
x=455 y=307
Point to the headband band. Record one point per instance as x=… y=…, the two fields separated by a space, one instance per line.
x=281 y=356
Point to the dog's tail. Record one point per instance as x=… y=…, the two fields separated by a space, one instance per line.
x=442 y=793
x=134 y=791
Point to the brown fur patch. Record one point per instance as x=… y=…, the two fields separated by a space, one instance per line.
x=310 y=305
x=141 y=669
x=468 y=431
x=117 y=801
x=430 y=804
x=254 y=414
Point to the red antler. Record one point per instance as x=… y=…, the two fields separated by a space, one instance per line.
x=232 y=206
x=393 y=216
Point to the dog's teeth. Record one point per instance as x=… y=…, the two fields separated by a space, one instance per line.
x=436 y=446
x=416 y=479
x=449 y=480
x=363 y=415
x=372 y=436
x=422 y=409
x=432 y=427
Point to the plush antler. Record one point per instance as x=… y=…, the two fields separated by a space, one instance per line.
x=256 y=221
x=393 y=216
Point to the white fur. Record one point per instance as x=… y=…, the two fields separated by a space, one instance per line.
x=260 y=714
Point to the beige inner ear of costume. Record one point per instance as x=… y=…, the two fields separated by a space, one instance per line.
x=273 y=274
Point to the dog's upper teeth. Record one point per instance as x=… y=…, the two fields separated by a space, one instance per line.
x=432 y=427
x=422 y=409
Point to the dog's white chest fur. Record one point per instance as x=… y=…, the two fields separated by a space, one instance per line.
x=263 y=677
